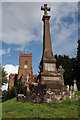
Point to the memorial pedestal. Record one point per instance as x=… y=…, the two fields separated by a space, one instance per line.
x=49 y=75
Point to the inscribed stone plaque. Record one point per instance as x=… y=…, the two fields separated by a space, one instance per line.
x=51 y=78
x=49 y=67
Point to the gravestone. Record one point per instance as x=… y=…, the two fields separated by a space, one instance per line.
x=71 y=88
x=75 y=86
x=61 y=71
x=67 y=87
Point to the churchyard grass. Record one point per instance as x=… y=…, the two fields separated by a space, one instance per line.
x=65 y=109
x=77 y=93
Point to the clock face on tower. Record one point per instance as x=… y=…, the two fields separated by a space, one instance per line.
x=25 y=66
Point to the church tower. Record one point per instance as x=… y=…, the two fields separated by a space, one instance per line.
x=48 y=71
x=25 y=66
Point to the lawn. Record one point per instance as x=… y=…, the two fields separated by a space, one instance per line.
x=66 y=109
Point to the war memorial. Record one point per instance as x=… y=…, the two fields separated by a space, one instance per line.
x=50 y=81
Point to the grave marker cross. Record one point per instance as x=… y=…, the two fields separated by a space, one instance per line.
x=45 y=8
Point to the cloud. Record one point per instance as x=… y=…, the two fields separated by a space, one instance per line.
x=8 y=50
x=3 y=52
x=64 y=30
x=21 y=28
x=4 y=87
x=9 y=68
x=19 y=48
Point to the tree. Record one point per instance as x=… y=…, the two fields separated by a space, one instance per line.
x=78 y=53
x=6 y=95
x=68 y=64
x=3 y=76
x=77 y=67
x=20 y=87
x=0 y=74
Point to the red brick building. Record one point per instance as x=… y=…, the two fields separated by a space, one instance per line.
x=25 y=70
x=12 y=78
x=25 y=66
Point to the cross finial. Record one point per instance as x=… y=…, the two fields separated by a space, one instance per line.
x=45 y=8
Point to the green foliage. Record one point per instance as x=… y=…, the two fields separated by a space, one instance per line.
x=18 y=89
x=12 y=93
x=20 y=86
x=0 y=74
x=6 y=95
x=77 y=93
x=69 y=65
x=77 y=67
x=78 y=53
x=67 y=109
x=3 y=75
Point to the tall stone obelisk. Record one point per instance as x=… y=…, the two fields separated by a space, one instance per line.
x=48 y=71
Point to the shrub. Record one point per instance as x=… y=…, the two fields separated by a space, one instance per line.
x=9 y=94
x=20 y=87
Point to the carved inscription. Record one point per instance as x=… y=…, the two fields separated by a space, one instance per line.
x=51 y=78
x=49 y=67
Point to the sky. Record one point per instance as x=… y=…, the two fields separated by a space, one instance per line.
x=79 y=20
x=22 y=31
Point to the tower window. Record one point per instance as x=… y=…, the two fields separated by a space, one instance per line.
x=25 y=66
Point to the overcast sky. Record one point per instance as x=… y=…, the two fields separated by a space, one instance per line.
x=22 y=29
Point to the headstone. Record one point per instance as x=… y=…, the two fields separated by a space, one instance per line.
x=67 y=87
x=20 y=97
x=71 y=88
x=75 y=85
x=61 y=71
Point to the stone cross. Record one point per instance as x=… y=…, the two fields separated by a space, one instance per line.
x=75 y=85
x=61 y=70
x=45 y=8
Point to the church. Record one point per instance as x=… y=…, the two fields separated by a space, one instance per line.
x=25 y=70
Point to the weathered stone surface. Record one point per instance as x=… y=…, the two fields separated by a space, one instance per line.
x=20 y=97
x=61 y=71
x=49 y=67
x=75 y=86
x=51 y=78
x=49 y=73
